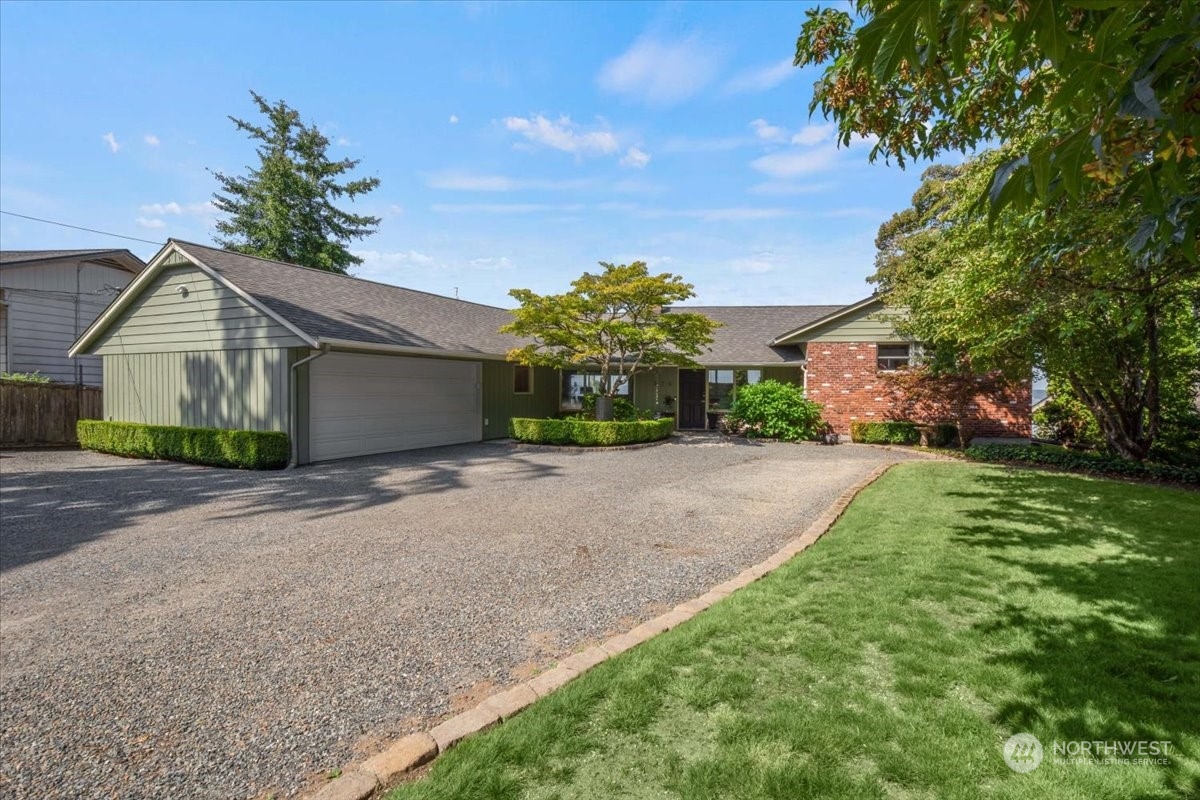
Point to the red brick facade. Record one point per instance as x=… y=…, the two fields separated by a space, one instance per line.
x=843 y=378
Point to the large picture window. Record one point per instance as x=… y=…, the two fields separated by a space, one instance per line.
x=723 y=385
x=576 y=384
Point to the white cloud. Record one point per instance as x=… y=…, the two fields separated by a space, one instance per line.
x=768 y=132
x=635 y=158
x=150 y=223
x=794 y=163
x=151 y=140
x=395 y=210
x=789 y=187
x=490 y=262
x=661 y=73
x=760 y=79
x=161 y=208
x=111 y=140
x=464 y=181
x=736 y=214
x=562 y=134
x=454 y=119
x=814 y=134
x=758 y=264
x=502 y=208
x=685 y=144
x=191 y=209
x=344 y=142
x=376 y=258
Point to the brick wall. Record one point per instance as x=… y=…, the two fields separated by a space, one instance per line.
x=843 y=378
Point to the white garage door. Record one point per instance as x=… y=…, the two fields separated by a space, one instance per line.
x=360 y=404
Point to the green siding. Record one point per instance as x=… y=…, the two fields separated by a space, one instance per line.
x=871 y=324
x=793 y=375
x=163 y=319
x=649 y=389
x=500 y=404
x=240 y=389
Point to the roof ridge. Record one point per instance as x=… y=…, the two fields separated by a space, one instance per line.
x=335 y=274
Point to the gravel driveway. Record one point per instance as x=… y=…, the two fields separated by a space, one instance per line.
x=177 y=631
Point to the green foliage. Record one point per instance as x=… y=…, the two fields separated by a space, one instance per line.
x=885 y=432
x=942 y=434
x=613 y=321
x=211 y=446
x=25 y=377
x=623 y=409
x=1066 y=421
x=1076 y=461
x=1108 y=86
x=589 y=433
x=1054 y=290
x=774 y=410
x=284 y=209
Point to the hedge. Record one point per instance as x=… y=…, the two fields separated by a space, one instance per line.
x=884 y=432
x=588 y=433
x=212 y=446
x=1073 y=461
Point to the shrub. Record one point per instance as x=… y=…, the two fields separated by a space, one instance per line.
x=623 y=410
x=589 y=433
x=1076 y=461
x=212 y=446
x=1065 y=420
x=884 y=432
x=25 y=377
x=943 y=434
x=774 y=410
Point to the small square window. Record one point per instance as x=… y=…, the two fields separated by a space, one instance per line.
x=522 y=379
x=892 y=357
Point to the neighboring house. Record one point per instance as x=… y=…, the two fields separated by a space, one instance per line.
x=205 y=337
x=48 y=298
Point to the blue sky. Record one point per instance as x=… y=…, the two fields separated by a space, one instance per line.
x=517 y=144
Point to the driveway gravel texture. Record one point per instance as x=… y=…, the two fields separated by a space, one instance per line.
x=178 y=631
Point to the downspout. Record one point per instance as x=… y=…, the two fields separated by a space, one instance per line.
x=294 y=402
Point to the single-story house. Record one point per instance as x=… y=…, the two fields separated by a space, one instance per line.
x=206 y=337
x=48 y=298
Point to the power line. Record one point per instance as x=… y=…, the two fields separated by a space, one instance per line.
x=79 y=228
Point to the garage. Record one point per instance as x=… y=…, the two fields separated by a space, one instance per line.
x=363 y=404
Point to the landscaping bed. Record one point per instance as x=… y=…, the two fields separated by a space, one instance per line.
x=953 y=606
x=589 y=433
x=1061 y=458
x=209 y=446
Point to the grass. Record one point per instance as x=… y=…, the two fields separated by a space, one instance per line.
x=953 y=606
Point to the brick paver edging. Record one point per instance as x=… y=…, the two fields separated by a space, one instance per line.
x=414 y=750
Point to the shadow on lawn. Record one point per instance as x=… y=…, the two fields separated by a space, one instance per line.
x=1119 y=658
x=45 y=513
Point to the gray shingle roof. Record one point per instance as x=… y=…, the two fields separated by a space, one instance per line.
x=329 y=306
x=747 y=332
x=23 y=256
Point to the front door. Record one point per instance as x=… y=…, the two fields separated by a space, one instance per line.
x=691 y=399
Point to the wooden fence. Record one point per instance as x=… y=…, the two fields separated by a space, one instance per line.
x=32 y=413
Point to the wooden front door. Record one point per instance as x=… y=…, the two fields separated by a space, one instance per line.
x=691 y=399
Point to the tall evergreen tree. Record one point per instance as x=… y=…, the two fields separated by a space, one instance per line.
x=284 y=209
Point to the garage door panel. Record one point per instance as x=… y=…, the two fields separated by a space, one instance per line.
x=362 y=404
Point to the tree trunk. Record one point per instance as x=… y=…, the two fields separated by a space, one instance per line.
x=604 y=408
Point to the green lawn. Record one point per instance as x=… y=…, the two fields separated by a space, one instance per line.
x=951 y=607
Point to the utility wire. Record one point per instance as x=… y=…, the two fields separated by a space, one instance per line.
x=79 y=228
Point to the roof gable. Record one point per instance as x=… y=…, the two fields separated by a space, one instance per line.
x=747 y=333
x=118 y=259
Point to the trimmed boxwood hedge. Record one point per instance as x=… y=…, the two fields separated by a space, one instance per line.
x=884 y=432
x=1074 y=461
x=588 y=433
x=212 y=446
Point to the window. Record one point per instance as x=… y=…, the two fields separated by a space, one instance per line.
x=576 y=384
x=723 y=384
x=892 y=357
x=522 y=379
